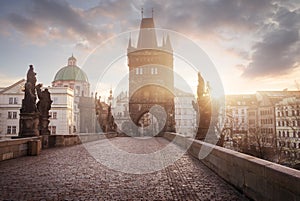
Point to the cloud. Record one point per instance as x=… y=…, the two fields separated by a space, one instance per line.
x=273 y=25
x=279 y=50
x=51 y=20
x=25 y=25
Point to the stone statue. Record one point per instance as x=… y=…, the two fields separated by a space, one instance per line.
x=29 y=101
x=203 y=108
x=29 y=115
x=44 y=104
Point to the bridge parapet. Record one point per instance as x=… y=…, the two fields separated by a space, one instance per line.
x=258 y=179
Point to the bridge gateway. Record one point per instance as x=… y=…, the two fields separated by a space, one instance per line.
x=151 y=81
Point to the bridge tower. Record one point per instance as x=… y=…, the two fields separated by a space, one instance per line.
x=151 y=77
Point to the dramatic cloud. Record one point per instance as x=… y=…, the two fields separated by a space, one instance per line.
x=25 y=25
x=264 y=33
x=279 y=50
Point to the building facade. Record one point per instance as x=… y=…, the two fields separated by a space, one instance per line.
x=72 y=109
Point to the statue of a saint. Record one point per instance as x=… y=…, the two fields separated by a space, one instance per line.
x=29 y=101
x=44 y=104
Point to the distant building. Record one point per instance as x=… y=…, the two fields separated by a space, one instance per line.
x=61 y=120
x=238 y=117
x=287 y=114
x=74 y=77
x=72 y=110
x=267 y=122
x=185 y=114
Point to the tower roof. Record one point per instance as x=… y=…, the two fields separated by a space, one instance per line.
x=71 y=72
x=147 y=35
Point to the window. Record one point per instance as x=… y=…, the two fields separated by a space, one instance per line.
x=8 y=130
x=54 y=115
x=141 y=71
x=279 y=124
x=52 y=129
x=14 y=130
x=14 y=115
x=13 y=100
x=9 y=115
x=286 y=113
x=137 y=71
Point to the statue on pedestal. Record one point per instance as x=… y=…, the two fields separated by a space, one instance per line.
x=43 y=106
x=203 y=108
x=29 y=115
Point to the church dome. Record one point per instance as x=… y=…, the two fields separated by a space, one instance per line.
x=71 y=72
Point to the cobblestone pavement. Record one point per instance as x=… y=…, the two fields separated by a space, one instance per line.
x=71 y=173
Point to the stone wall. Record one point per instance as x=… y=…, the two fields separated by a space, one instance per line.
x=256 y=178
x=13 y=148
x=69 y=140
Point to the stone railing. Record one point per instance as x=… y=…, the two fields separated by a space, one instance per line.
x=17 y=147
x=69 y=140
x=256 y=178
x=13 y=148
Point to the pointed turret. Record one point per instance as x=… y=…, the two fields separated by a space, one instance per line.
x=129 y=42
x=168 y=45
x=147 y=35
x=163 y=41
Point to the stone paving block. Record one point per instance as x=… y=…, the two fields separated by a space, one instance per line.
x=71 y=173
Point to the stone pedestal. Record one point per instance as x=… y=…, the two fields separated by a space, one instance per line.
x=29 y=124
x=44 y=122
x=44 y=130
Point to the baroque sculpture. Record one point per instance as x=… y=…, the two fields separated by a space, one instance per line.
x=203 y=107
x=34 y=117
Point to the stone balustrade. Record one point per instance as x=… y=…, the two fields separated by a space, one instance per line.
x=258 y=179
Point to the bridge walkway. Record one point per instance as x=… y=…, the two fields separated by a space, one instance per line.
x=77 y=173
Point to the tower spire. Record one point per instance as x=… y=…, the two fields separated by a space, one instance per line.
x=168 y=43
x=142 y=12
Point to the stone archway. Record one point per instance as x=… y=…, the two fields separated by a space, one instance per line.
x=151 y=96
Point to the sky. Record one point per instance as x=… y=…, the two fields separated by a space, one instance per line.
x=253 y=44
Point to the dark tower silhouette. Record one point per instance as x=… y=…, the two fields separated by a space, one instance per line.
x=151 y=77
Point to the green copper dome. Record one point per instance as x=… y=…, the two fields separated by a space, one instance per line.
x=71 y=72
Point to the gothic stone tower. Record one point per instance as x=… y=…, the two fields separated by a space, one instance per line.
x=151 y=77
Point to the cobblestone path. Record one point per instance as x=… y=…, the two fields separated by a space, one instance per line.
x=72 y=173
